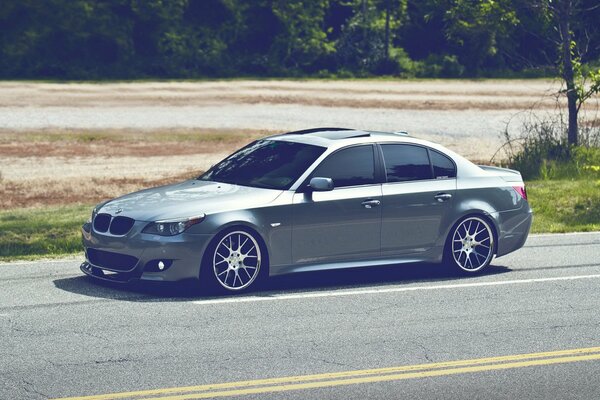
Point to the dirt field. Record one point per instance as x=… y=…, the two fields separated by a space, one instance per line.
x=59 y=167
x=408 y=95
x=81 y=143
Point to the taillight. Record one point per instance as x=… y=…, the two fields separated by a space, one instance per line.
x=521 y=190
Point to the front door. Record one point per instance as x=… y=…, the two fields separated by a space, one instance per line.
x=342 y=224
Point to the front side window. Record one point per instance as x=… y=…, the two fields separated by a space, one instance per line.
x=271 y=164
x=406 y=163
x=349 y=167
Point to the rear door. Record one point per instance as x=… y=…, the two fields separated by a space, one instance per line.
x=344 y=223
x=417 y=198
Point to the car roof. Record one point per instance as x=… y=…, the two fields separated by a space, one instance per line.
x=336 y=138
x=341 y=137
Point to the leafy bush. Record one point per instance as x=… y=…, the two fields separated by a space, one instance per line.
x=399 y=64
x=542 y=151
x=441 y=66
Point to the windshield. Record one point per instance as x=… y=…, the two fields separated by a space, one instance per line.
x=271 y=164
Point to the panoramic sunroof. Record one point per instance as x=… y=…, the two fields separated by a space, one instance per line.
x=345 y=134
x=315 y=130
x=332 y=133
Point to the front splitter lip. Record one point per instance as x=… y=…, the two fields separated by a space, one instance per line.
x=90 y=269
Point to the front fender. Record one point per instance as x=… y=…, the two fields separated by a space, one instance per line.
x=272 y=224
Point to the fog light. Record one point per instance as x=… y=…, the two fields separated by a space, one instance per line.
x=159 y=265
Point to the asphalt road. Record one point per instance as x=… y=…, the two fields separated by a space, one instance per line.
x=410 y=331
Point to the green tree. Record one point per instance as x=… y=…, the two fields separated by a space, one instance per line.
x=303 y=39
x=70 y=39
x=579 y=86
x=479 y=29
x=367 y=41
x=571 y=23
x=60 y=38
x=196 y=36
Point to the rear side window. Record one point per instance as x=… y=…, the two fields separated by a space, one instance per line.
x=349 y=167
x=443 y=167
x=406 y=163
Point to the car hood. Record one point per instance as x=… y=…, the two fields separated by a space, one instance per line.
x=187 y=199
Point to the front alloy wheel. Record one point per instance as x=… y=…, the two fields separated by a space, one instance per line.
x=236 y=260
x=472 y=245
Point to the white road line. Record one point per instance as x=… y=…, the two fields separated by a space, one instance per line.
x=362 y=292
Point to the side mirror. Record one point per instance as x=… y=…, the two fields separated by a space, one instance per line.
x=321 y=184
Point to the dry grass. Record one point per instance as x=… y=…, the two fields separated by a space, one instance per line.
x=63 y=167
x=206 y=136
x=420 y=95
x=61 y=192
x=107 y=148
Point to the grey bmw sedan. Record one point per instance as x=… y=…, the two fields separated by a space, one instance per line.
x=310 y=200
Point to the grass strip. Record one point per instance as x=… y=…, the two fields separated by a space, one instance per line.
x=565 y=205
x=41 y=232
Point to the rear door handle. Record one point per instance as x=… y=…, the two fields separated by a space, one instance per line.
x=370 y=203
x=441 y=197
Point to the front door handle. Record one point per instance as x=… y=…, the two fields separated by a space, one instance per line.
x=441 y=197
x=370 y=203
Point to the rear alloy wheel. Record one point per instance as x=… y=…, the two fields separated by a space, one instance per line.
x=472 y=246
x=236 y=260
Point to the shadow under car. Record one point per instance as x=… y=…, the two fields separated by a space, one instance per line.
x=353 y=278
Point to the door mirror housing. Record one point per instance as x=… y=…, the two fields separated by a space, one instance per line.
x=319 y=184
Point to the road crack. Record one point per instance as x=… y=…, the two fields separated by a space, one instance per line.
x=425 y=352
x=30 y=389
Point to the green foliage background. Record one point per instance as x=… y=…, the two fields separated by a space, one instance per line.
x=132 y=39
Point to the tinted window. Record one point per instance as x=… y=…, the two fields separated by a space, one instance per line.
x=270 y=164
x=443 y=167
x=406 y=163
x=349 y=167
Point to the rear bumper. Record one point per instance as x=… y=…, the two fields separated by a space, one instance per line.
x=514 y=228
x=183 y=253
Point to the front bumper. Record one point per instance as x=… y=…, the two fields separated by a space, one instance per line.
x=183 y=253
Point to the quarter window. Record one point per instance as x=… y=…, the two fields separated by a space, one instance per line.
x=443 y=167
x=406 y=163
x=349 y=167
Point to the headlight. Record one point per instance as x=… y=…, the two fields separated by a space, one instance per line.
x=172 y=227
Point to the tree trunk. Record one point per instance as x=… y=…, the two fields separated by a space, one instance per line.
x=364 y=44
x=564 y=15
x=387 y=29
